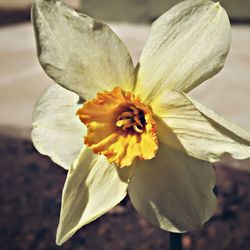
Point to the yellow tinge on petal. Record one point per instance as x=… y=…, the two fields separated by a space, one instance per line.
x=120 y=127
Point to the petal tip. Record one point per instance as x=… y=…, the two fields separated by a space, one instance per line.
x=59 y=238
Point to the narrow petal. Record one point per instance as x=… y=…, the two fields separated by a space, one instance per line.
x=57 y=131
x=173 y=191
x=92 y=188
x=187 y=45
x=202 y=133
x=78 y=52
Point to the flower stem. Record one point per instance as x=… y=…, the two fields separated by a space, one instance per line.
x=175 y=241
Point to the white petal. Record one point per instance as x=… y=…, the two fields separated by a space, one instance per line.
x=92 y=188
x=173 y=191
x=78 y=52
x=187 y=45
x=197 y=130
x=57 y=131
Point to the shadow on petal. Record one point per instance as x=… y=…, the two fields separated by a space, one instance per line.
x=174 y=191
x=167 y=136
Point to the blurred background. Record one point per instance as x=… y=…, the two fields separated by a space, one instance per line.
x=31 y=185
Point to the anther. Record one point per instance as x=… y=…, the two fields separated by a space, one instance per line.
x=124 y=122
x=132 y=120
x=138 y=130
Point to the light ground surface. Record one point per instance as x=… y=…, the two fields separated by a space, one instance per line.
x=148 y=10
x=134 y=10
x=22 y=80
x=20 y=4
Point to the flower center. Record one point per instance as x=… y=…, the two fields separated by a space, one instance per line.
x=120 y=127
x=131 y=120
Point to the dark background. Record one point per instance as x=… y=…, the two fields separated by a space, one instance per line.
x=30 y=193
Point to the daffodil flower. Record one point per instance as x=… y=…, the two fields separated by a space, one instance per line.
x=143 y=135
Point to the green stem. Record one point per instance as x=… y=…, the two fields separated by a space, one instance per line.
x=175 y=241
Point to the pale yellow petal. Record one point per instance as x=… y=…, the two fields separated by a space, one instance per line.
x=78 y=52
x=57 y=131
x=187 y=45
x=173 y=191
x=92 y=188
x=185 y=123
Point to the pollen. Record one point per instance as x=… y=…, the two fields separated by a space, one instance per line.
x=120 y=127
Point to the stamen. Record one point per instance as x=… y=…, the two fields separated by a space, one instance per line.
x=137 y=119
x=127 y=126
x=121 y=123
x=134 y=109
x=127 y=114
x=135 y=127
x=132 y=120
